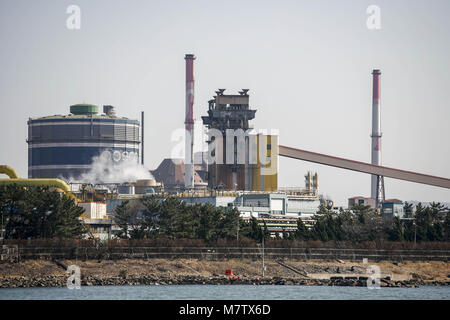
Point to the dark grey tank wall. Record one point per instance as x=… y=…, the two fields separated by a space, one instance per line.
x=65 y=147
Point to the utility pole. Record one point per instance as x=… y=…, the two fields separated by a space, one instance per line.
x=142 y=137
x=261 y=246
x=263 y=257
x=3 y=233
x=237 y=234
x=415 y=227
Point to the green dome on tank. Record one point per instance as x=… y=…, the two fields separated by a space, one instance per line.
x=84 y=109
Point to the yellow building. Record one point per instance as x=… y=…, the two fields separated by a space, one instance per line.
x=265 y=171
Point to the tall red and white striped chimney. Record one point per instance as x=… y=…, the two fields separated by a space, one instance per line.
x=189 y=124
x=376 y=129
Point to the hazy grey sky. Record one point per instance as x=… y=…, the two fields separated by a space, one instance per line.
x=307 y=64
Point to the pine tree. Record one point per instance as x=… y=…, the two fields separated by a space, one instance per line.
x=302 y=232
x=37 y=212
x=122 y=217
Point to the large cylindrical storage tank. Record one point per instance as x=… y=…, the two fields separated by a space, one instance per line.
x=143 y=186
x=64 y=146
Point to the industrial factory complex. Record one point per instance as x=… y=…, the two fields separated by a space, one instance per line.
x=239 y=169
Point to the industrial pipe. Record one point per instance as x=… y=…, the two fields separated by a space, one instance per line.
x=10 y=172
x=14 y=179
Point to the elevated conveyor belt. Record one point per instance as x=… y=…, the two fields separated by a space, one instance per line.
x=363 y=167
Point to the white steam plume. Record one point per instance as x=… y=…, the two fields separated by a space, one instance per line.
x=105 y=170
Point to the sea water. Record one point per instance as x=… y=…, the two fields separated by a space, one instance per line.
x=226 y=292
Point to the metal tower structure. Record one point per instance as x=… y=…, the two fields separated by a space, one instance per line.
x=228 y=112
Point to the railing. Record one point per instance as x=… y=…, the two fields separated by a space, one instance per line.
x=221 y=253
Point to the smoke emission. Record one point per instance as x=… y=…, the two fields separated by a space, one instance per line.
x=106 y=170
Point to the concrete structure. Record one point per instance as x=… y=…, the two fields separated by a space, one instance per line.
x=96 y=219
x=392 y=208
x=242 y=158
x=93 y=210
x=189 y=179
x=64 y=145
x=354 y=201
x=278 y=204
x=217 y=201
x=229 y=113
x=100 y=228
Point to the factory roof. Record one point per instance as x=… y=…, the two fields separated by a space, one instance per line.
x=394 y=200
x=84 y=111
x=81 y=117
x=171 y=172
x=359 y=197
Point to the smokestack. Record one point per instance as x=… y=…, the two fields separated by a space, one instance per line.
x=142 y=137
x=376 y=130
x=189 y=123
x=316 y=181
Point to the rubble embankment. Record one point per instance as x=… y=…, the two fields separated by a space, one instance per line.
x=59 y=281
x=45 y=273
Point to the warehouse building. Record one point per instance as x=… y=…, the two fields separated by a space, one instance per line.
x=361 y=201
x=392 y=208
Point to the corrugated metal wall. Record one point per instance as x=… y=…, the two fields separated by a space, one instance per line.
x=64 y=147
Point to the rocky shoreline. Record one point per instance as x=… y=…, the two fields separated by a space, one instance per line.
x=47 y=273
x=61 y=281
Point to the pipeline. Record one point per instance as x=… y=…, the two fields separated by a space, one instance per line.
x=10 y=172
x=14 y=179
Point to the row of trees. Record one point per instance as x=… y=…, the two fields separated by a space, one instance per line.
x=38 y=212
x=173 y=218
x=431 y=223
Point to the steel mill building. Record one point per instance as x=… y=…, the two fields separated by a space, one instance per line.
x=63 y=146
x=252 y=159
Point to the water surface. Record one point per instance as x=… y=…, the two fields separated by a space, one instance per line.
x=225 y=292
